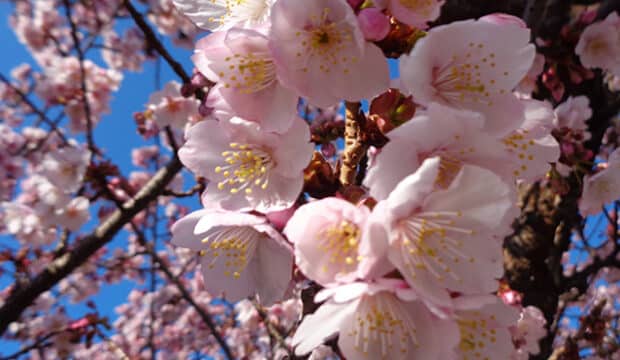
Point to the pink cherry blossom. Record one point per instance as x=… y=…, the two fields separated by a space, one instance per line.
x=602 y=187
x=415 y=12
x=484 y=330
x=241 y=62
x=65 y=167
x=381 y=320
x=327 y=235
x=531 y=147
x=124 y=52
x=61 y=84
x=223 y=14
x=168 y=107
x=248 y=168
x=74 y=214
x=320 y=42
x=466 y=65
x=599 y=45
x=573 y=113
x=461 y=140
x=21 y=221
x=529 y=330
x=444 y=239
x=240 y=253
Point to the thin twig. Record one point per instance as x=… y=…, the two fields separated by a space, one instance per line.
x=206 y=318
x=154 y=42
x=41 y=115
x=81 y=57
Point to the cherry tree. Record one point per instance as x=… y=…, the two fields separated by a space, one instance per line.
x=328 y=179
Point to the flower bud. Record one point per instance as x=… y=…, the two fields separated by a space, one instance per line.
x=375 y=24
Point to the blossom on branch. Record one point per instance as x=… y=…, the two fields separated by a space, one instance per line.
x=248 y=168
x=240 y=254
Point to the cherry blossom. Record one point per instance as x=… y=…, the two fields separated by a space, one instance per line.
x=461 y=140
x=168 y=107
x=320 y=42
x=444 y=239
x=249 y=168
x=602 y=187
x=240 y=254
x=484 y=331
x=599 y=44
x=74 y=214
x=375 y=320
x=573 y=113
x=529 y=330
x=240 y=61
x=528 y=83
x=375 y=25
x=327 y=235
x=335 y=201
x=531 y=147
x=223 y=14
x=65 y=167
x=466 y=65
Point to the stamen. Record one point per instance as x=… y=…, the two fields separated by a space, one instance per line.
x=246 y=167
x=341 y=243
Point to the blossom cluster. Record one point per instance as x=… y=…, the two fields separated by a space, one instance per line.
x=417 y=252
x=385 y=245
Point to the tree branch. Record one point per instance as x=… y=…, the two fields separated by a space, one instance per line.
x=353 y=146
x=22 y=297
x=152 y=40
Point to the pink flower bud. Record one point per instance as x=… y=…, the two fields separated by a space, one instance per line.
x=567 y=149
x=375 y=25
x=504 y=19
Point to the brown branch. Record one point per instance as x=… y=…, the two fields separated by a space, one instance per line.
x=152 y=40
x=22 y=297
x=196 y=189
x=354 y=148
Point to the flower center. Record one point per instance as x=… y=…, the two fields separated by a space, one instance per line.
x=326 y=41
x=249 y=73
x=476 y=334
x=246 y=168
x=378 y=322
x=341 y=242
x=232 y=245
x=463 y=79
x=598 y=46
x=431 y=241
x=520 y=145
